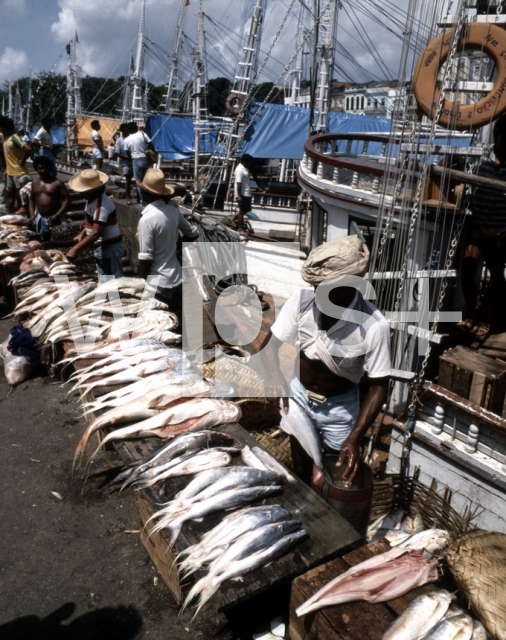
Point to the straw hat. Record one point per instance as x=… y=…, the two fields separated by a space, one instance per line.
x=87 y=179
x=154 y=182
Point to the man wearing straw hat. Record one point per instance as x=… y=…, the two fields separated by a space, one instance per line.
x=339 y=337
x=158 y=234
x=101 y=229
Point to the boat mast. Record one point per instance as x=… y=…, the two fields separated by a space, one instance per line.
x=74 y=102
x=247 y=66
x=28 y=107
x=327 y=35
x=138 y=107
x=17 y=114
x=171 y=99
x=11 y=111
x=200 y=112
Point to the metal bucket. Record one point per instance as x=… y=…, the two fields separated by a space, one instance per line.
x=353 y=501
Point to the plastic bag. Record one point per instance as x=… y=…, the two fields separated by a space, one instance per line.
x=17 y=369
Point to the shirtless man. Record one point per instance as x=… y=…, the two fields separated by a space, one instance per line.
x=49 y=198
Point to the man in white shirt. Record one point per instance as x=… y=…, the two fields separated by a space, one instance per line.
x=135 y=148
x=101 y=230
x=127 y=166
x=242 y=190
x=97 y=144
x=44 y=140
x=334 y=354
x=158 y=234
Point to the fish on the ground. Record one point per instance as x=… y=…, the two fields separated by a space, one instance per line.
x=455 y=628
x=130 y=374
x=250 y=552
x=299 y=425
x=420 y=616
x=431 y=540
x=383 y=577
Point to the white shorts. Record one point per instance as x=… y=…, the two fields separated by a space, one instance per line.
x=97 y=154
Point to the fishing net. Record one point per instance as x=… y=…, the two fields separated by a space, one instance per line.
x=477 y=561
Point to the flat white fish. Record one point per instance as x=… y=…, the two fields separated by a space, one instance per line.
x=455 y=628
x=420 y=616
x=378 y=579
x=431 y=540
x=298 y=424
x=479 y=632
x=272 y=464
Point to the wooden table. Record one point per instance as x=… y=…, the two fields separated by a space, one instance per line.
x=352 y=620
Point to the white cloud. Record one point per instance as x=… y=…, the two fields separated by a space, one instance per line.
x=13 y=64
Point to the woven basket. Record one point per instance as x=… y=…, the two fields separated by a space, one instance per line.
x=277 y=442
x=412 y=496
x=246 y=381
x=258 y=414
x=478 y=563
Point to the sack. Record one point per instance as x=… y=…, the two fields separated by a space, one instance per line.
x=17 y=369
x=151 y=156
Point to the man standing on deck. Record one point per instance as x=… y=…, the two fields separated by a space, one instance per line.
x=49 y=199
x=333 y=355
x=101 y=229
x=16 y=153
x=126 y=161
x=97 y=144
x=242 y=188
x=158 y=234
x=135 y=147
x=44 y=140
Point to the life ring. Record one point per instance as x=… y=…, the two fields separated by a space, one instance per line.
x=234 y=103
x=489 y=39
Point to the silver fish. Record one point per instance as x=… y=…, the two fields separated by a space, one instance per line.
x=201 y=461
x=420 y=616
x=204 y=439
x=216 y=542
x=479 y=632
x=208 y=586
x=223 y=501
x=131 y=374
x=299 y=425
x=272 y=464
x=455 y=628
x=237 y=477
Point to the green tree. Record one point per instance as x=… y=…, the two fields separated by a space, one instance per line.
x=218 y=90
x=262 y=90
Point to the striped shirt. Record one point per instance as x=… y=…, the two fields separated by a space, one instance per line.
x=488 y=205
x=103 y=211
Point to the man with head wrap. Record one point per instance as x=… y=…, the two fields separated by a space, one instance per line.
x=336 y=347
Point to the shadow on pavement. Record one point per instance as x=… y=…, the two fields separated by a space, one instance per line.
x=118 y=623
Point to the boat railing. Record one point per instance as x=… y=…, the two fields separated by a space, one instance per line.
x=345 y=162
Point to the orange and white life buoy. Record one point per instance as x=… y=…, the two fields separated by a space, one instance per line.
x=234 y=103
x=488 y=38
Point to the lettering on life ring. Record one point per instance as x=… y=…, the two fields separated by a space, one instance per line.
x=489 y=39
x=234 y=103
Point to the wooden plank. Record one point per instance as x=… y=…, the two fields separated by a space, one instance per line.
x=461 y=382
x=478 y=388
x=445 y=373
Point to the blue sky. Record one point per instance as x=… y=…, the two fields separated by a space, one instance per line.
x=33 y=35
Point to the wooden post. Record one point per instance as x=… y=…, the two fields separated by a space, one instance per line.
x=472 y=438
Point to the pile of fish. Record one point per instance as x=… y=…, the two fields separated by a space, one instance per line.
x=430 y=617
x=386 y=576
x=55 y=311
x=244 y=541
x=396 y=526
x=15 y=238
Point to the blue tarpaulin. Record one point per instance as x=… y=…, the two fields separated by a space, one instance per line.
x=174 y=137
x=279 y=131
x=58 y=133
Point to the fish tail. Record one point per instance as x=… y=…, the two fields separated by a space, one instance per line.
x=197 y=588
x=206 y=593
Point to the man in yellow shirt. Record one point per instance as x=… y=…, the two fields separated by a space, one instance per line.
x=16 y=153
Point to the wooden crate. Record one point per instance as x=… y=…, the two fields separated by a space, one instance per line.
x=349 y=621
x=474 y=376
